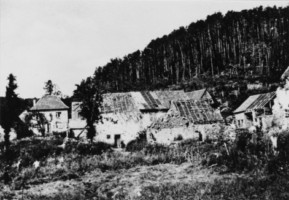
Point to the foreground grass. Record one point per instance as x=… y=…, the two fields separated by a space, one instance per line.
x=189 y=170
x=135 y=183
x=160 y=182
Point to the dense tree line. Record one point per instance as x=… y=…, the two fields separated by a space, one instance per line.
x=241 y=44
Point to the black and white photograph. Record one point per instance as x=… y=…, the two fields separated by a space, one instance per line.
x=144 y=100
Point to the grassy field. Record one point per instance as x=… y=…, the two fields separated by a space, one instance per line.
x=188 y=170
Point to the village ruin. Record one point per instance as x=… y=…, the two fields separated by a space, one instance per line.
x=165 y=116
x=127 y=114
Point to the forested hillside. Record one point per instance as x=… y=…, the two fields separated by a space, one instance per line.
x=249 y=45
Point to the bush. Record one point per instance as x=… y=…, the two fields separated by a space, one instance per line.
x=31 y=149
x=156 y=148
x=93 y=148
x=138 y=144
x=283 y=146
x=250 y=151
x=178 y=138
x=279 y=164
x=96 y=148
x=62 y=134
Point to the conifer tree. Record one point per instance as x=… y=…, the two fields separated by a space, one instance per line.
x=10 y=109
x=49 y=87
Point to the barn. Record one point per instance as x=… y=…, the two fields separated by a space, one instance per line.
x=186 y=119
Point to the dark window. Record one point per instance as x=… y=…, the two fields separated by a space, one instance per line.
x=107 y=136
x=58 y=114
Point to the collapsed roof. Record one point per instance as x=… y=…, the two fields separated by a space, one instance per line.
x=197 y=111
x=147 y=101
x=120 y=106
x=166 y=96
x=161 y=100
x=189 y=111
x=257 y=101
x=118 y=102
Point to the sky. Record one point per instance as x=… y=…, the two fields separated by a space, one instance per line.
x=65 y=40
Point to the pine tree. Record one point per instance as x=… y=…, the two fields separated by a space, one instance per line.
x=10 y=110
x=49 y=87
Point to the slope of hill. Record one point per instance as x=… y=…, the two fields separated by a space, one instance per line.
x=222 y=53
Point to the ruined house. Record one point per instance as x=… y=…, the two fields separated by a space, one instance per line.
x=186 y=119
x=126 y=114
x=55 y=112
x=255 y=111
x=123 y=116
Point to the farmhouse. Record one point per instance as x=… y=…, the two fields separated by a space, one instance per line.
x=186 y=119
x=255 y=111
x=55 y=112
x=126 y=114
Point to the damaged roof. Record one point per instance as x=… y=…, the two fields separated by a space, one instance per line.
x=118 y=103
x=160 y=100
x=49 y=102
x=255 y=102
x=166 y=96
x=197 y=111
x=147 y=101
x=189 y=111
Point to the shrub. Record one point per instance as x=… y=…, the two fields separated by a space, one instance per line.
x=280 y=163
x=248 y=152
x=138 y=144
x=62 y=134
x=93 y=148
x=178 y=138
x=283 y=146
x=155 y=149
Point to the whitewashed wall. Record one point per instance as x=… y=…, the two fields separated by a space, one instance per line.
x=121 y=124
x=169 y=135
x=57 y=124
x=127 y=125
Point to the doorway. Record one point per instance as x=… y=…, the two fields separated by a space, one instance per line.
x=117 y=142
